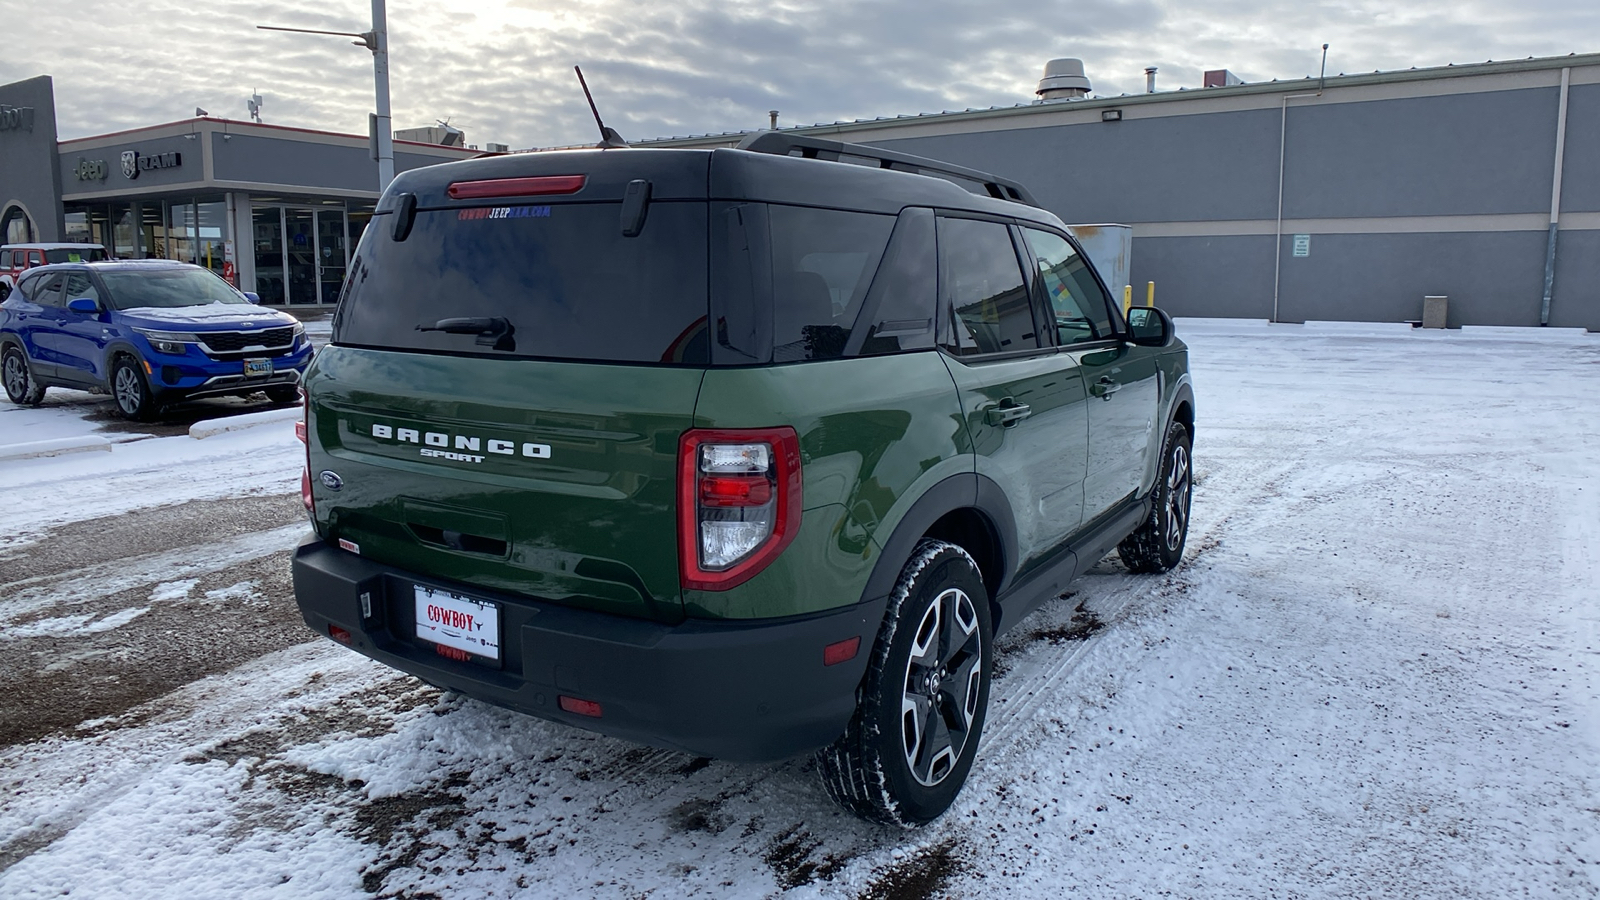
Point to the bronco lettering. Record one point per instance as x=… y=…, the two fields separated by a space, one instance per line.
x=382 y=432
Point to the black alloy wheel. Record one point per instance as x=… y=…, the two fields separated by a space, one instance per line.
x=1157 y=545
x=907 y=751
x=21 y=389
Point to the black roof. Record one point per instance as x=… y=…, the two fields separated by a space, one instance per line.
x=724 y=174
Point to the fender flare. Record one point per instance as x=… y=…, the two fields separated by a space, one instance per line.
x=964 y=491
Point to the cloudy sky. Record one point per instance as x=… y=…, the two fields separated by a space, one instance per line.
x=502 y=69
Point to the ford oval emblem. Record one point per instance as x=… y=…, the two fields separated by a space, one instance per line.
x=331 y=480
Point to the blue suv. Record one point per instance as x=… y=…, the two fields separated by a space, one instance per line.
x=148 y=333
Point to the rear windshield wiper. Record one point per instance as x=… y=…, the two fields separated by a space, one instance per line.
x=492 y=331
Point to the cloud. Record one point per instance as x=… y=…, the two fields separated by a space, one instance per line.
x=502 y=69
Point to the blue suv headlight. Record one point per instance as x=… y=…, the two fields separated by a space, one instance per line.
x=173 y=342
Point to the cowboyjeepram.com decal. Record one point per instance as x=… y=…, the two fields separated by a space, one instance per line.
x=458 y=447
x=503 y=212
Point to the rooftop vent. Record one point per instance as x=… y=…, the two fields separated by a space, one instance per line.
x=1063 y=80
x=1221 y=78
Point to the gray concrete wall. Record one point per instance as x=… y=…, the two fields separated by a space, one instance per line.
x=1375 y=174
x=309 y=164
x=28 y=177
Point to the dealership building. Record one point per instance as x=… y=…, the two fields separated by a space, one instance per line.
x=278 y=208
x=1350 y=199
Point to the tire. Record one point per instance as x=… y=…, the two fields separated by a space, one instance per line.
x=283 y=393
x=933 y=701
x=1157 y=546
x=21 y=389
x=130 y=390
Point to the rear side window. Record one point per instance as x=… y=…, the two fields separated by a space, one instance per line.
x=45 y=290
x=899 y=310
x=823 y=261
x=1079 y=305
x=560 y=281
x=981 y=282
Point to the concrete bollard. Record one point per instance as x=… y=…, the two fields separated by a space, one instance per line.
x=1435 y=310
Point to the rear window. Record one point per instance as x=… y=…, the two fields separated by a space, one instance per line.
x=75 y=254
x=555 y=281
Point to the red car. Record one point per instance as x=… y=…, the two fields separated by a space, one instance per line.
x=18 y=258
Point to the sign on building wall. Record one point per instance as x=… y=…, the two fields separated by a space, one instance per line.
x=1302 y=245
x=16 y=118
x=133 y=163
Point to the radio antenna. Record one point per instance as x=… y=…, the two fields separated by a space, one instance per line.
x=609 y=139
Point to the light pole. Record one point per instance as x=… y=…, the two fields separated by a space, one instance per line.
x=376 y=40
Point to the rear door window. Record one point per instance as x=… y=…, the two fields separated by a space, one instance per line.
x=898 y=314
x=560 y=280
x=981 y=283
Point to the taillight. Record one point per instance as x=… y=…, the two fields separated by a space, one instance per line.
x=738 y=503
x=517 y=187
x=301 y=432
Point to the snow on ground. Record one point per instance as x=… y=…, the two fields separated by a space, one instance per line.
x=1375 y=675
x=54 y=490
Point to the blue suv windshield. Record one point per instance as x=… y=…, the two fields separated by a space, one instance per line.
x=168 y=289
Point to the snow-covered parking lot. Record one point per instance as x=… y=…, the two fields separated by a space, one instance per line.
x=1375 y=675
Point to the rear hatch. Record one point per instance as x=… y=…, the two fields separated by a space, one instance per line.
x=520 y=344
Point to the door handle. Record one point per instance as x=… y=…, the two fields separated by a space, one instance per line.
x=1007 y=413
x=1105 y=387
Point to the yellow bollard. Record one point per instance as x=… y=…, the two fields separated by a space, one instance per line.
x=1150 y=294
x=1127 y=299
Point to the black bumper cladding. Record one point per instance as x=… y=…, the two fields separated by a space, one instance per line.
x=753 y=690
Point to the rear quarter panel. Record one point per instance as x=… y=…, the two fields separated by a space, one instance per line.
x=874 y=433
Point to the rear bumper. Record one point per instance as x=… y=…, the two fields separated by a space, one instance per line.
x=749 y=690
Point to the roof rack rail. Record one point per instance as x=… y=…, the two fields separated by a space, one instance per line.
x=781 y=144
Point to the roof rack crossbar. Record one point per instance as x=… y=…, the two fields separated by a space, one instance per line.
x=781 y=144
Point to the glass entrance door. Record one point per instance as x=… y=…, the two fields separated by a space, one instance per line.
x=300 y=252
x=330 y=253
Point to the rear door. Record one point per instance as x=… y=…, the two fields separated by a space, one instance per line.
x=532 y=451
x=1121 y=377
x=1023 y=401
x=41 y=326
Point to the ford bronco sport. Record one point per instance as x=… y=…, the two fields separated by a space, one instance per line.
x=744 y=452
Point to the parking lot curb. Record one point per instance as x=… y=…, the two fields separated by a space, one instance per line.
x=213 y=427
x=55 y=447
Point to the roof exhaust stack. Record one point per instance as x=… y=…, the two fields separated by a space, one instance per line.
x=1063 y=80
x=1150 y=80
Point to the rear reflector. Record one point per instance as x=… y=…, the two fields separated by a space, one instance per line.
x=843 y=651
x=580 y=707
x=517 y=187
x=340 y=635
x=305 y=490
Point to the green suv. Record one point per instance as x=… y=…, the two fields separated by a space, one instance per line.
x=743 y=452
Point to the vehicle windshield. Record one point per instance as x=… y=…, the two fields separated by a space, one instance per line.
x=75 y=254
x=168 y=288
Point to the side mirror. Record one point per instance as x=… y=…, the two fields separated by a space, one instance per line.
x=1149 y=327
x=84 y=305
x=253 y=297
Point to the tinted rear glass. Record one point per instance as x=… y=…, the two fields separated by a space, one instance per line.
x=562 y=276
x=75 y=254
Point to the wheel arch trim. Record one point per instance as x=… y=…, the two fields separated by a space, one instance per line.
x=957 y=492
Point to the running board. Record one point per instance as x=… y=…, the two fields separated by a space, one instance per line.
x=1050 y=578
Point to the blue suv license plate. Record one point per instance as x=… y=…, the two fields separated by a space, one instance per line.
x=254 y=367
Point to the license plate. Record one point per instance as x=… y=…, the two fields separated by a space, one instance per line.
x=460 y=622
x=257 y=367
